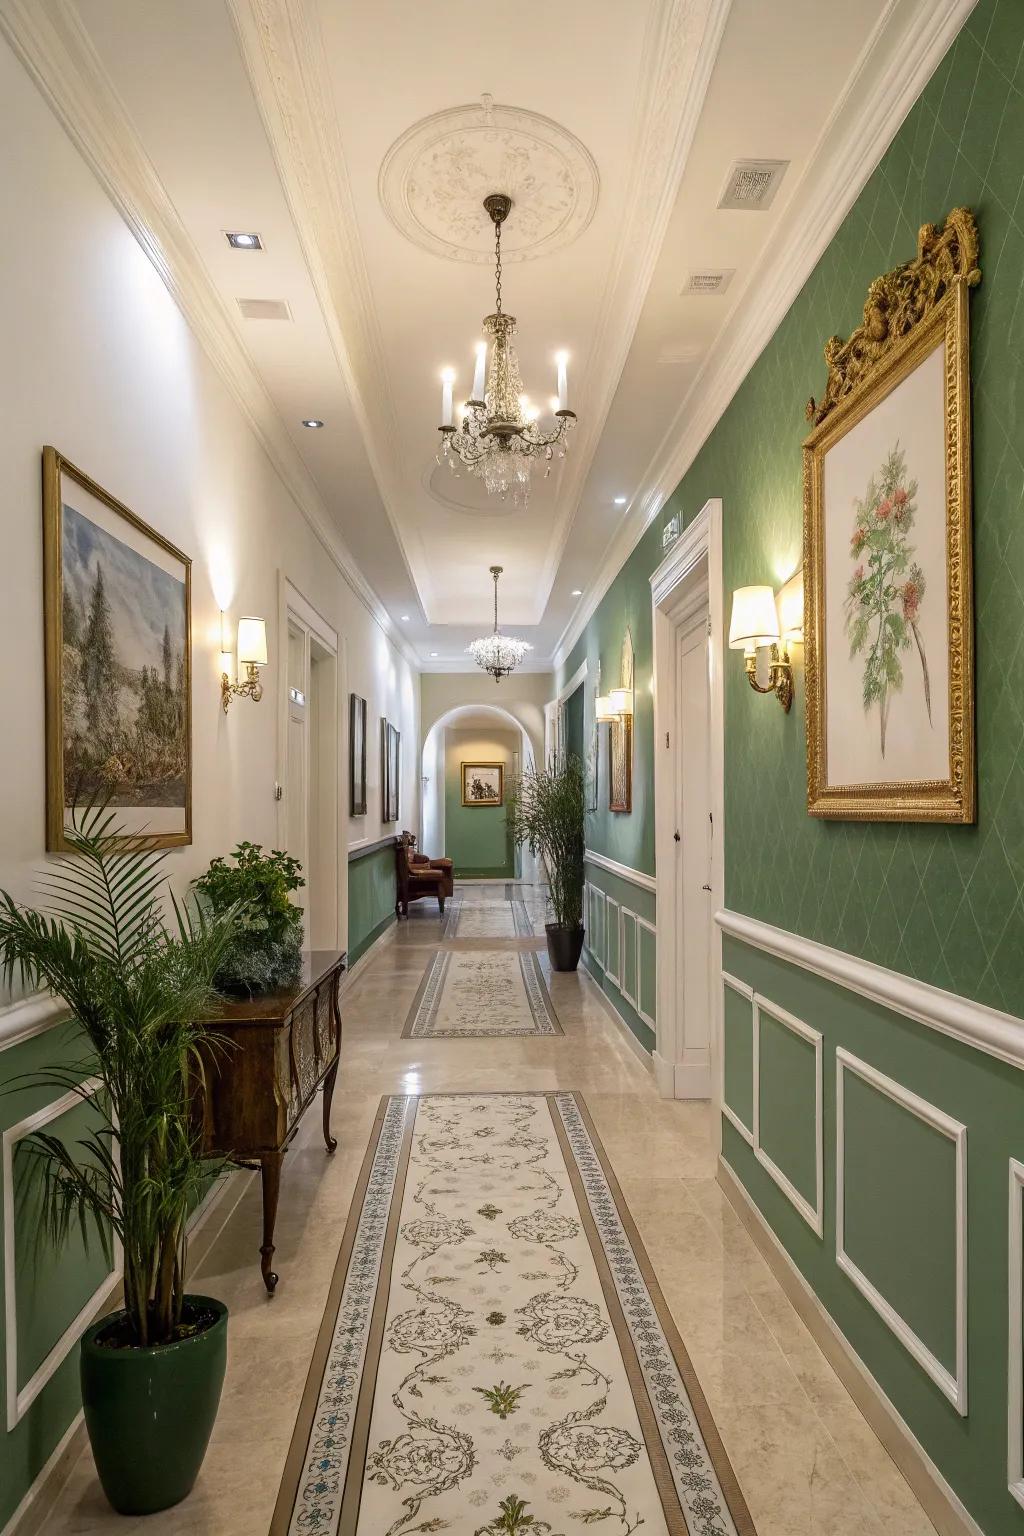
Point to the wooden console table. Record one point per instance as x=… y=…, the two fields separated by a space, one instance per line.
x=282 y=1046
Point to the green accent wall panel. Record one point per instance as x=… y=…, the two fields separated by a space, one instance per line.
x=371 y=899
x=647 y=971
x=899 y=1212
x=627 y=950
x=476 y=837
x=738 y=1055
x=787 y=1103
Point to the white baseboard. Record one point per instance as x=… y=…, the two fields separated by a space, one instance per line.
x=639 y=1050
x=943 y=1506
x=364 y=959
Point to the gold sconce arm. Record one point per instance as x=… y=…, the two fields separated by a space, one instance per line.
x=780 y=675
x=252 y=688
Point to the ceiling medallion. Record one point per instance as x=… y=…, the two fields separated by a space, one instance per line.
x=496 y=653
x=434 y=178
x=499 y=439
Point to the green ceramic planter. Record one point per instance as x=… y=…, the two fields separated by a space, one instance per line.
x=150 y=1412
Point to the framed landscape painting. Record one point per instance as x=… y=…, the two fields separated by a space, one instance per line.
x=887 y=550
x=117 y=602
x=483 y=784
x=391 y=763
x=356 y=755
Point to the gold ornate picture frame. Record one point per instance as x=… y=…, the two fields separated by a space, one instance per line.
x=118 y=648
x=483 y=784
x=888 y=627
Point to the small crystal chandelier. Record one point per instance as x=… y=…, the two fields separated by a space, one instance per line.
x=499 y=439
x=498 y=654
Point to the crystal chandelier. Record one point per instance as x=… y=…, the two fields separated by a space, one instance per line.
x=498 y=654
x=499 y=438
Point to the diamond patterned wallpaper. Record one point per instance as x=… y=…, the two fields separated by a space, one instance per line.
x=942 y=904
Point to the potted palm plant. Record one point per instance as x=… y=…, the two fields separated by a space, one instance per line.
x=135 y=983
x=545 y=810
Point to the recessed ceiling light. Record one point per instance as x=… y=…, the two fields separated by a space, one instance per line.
x=311 y=421
x=433 y=653
x=243 y=240
x=577 y=592
x=620 y=501
x=405 y=618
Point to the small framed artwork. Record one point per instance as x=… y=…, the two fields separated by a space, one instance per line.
x=888 y=626
x=356 y=755
x=391 y=770
x=117 y=603
x=483 y=784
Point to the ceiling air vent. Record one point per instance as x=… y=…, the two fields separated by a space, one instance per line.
x=752 y=184
x=264 y=309
x=708 y=280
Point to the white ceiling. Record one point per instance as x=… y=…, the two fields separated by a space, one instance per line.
x=277 y=115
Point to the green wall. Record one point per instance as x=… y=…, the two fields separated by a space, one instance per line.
x=371 y=898
x=944 y=905
x=476 y=836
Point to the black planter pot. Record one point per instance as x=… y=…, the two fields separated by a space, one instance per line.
x=565 y=945
x=150 y=1412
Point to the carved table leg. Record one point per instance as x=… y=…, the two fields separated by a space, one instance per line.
x=270 y=1175
x=329 y=1082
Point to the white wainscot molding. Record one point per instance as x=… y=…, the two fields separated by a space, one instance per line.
x=19 y=1401
x=953 y=1385
x=29 y=1016
x=814 y=1215
x=624 y=871
x=986 y=1029
x=1015 y=1336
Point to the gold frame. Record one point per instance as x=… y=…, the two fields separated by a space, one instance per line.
x=625 y=725
x=55 y=467
x=908 y=313
x=482 y=805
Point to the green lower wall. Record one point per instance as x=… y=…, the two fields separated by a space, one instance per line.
x=476 y=836
x=620 y=948
x=371 y=899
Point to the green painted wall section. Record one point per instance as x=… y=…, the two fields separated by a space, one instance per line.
x=574 y=727
x=886 y=1182
x=49 y=1291
x=627 y=950
x=476 y=836
x=942 y=904
x=738 y=1056
x=371 y=899
x=787 y=1079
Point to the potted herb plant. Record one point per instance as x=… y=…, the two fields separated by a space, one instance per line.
x=135 y=983
x=265 y=950
x=545 y=810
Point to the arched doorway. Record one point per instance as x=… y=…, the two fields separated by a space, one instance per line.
x=474 y=837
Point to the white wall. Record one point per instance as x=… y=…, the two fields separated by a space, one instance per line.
x=99 y=362
x=523 y=696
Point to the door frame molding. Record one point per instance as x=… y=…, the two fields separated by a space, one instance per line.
x=699 y=546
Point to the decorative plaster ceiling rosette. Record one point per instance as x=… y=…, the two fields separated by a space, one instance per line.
x=433 y=181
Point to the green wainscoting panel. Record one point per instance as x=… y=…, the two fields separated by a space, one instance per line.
x=630 y=954
x=371 y=899
x=787 y=1100
x=611 y=955
x=647 y=964
x=738 y=1055
x=899 y=1212
x=617 y=943
x=50 y=1288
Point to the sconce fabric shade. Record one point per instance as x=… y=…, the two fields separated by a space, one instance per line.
x=252 y=642
x=790 y=603
x=755 y=620
x=603 y=710
x=621 y=701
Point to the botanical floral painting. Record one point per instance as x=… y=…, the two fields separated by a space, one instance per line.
x=118 y=662
x=885 y=589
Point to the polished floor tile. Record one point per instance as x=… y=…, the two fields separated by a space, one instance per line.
x=808 y=1462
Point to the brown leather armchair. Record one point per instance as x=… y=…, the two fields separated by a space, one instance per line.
x=417 y=876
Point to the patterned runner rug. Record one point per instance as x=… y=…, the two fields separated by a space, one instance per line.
x=486 y=992
x=468 y=918
x=496 y=1358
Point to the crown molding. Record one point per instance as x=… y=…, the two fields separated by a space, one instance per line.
x=50 y=39
x=282 y=48
x=680 y=49
x=903 y=51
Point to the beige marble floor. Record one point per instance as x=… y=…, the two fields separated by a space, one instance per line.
x=808 y=1463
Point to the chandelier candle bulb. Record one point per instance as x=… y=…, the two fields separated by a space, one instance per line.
x=480 y=374
x=562 y=359
x=447 y=379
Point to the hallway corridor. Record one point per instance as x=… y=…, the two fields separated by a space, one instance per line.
x=806 y=1461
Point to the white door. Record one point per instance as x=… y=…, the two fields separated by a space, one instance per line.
x=693 y=857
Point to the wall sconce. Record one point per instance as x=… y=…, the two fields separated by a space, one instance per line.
x=617 y=705
x=755 y=623
x=252 y=654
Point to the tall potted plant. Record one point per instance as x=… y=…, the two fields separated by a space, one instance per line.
x=545 y=810
x=135 y=985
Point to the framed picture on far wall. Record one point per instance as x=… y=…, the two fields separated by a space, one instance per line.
x=483 y=783
x=117 y=599
x=356 y=755
x=391 y=770
x=887 y=549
